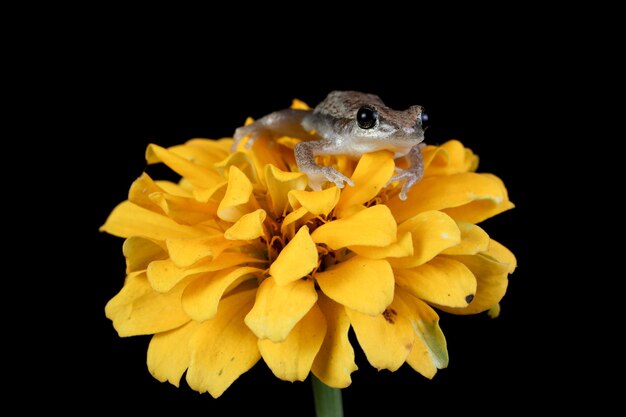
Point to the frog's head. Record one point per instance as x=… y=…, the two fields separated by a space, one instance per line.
x=369 y=124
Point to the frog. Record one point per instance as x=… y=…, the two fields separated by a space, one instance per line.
x=347 y=123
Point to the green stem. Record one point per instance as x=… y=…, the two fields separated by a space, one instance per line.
x=327 y=400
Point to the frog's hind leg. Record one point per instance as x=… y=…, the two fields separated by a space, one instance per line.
x=286 y=122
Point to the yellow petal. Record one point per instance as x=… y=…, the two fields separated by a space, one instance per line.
x=184 y=210
x=371 y=174
x=472 y=196
x=243 y=162
x=425 y=322
x=128 y=220
x=223 y=348
x=491 y=270
x=279 y=184
x=139 y=252
x=214 y=194
x=450 y=158
x=266 y=152
x=140 y=191
x=494 y=311
x=175 y=188
x=278 y=309
x=169 y=353
x=482 y=207
x=291 y=359
x=238 y=194
x=402 y=248
x=196 y=174
x=203 y=152
x=299 y=105
x=432 y=232
x=502 y=255
x=473 y=240
x=202 y=296
x=374 y=226
x=421 y=360
x=315 y=202
x=138 y=309
x=364 y=285
x=441 y=281
x=386 y=339
x=165 y=274
x=186 y=252
x=335 y=361
x=248 y=227
x=296 y=259
x=292 y=221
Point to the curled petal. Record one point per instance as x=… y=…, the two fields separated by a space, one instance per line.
x=186 y=252
x=491 y=270
x=201 y=297
x=293 y=220
x=203 y=152
x=198 y=175
x=371 y=175
x=400 y=249
x=279 y=184
x=432 y=232
x=335 y=361
x=291 y=359
x=296 y=259
x=278 y=309
x=425 y=322
x=450 y=158
x=315 y=202
x=169 y=353
x=483 y=207
x=248 y=227
x=138 y=309
x=442 y=281
x=243 y=162
x=140 y=191
x=139 y=252
x=163 y=275
x=386 y=339
x=361 y=284
x=373 y=226
x=223 y=348
x=473 y=240
x=238 y=194
x=184 y=210
x=467 y=197
x=128 y=219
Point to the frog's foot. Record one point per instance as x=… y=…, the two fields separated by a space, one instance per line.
x=252 y=132
x=322 y=174
x=410 y=178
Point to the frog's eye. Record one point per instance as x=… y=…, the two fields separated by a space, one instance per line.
x=423 y=117
x=366 y=117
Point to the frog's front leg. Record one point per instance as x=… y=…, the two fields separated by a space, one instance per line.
x=414 y=173
x=286 y=122
x=305 y=158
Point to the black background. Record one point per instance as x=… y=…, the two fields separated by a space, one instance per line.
x=491 y=100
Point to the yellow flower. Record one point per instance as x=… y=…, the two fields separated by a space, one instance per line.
x=239 y=261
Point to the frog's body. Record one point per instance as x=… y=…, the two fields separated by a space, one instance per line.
x=346 y=123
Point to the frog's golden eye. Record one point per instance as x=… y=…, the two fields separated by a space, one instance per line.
x=366 y=117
